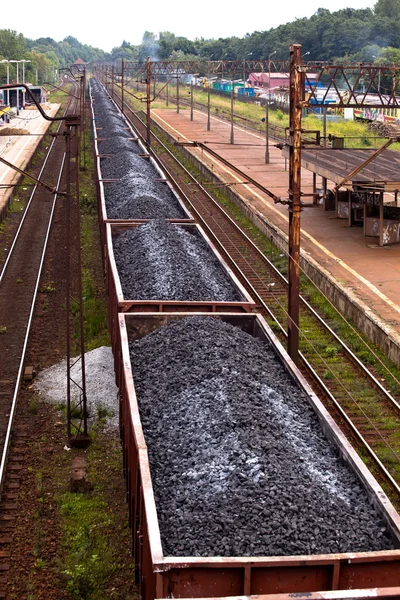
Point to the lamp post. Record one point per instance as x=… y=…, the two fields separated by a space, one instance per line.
x=379 y=73
x=244 y=73
x=23 y=80
x=17 y=61
x=5 y=60
x=267 y=110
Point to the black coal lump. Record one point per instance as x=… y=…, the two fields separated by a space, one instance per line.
x=163 y=261
x=240 y=465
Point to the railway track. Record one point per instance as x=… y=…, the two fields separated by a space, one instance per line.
x=20 y=279
x=354 y=394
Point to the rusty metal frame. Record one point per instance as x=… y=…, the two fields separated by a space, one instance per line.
x=383 y=593
x=77 y=427
x=160 y=576
x=211 y=67
x=351 y=77
x=331 y=76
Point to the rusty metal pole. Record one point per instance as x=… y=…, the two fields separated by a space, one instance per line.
x=112 y=81
x=232 y=132
x=294 y=197
x=122 y=85
x=68 y=277
x=209 y=111
x=148 y=99
x=167 y=93
x=177 y=93
x=83 y=117
x=77 y=428
x=191 y=100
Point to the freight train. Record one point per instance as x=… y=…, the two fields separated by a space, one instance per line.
x=238 y=480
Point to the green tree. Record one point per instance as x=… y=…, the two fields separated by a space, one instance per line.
x=388 y=8
x=12 y=44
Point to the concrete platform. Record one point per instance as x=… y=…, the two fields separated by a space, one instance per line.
x=19 y=149
x=365 y=272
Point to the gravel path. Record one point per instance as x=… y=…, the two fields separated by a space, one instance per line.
x=163 y=261
x=137 y=194
x=239 y=462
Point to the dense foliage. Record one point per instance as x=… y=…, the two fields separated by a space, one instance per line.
x=348 y=34
x=46 y=55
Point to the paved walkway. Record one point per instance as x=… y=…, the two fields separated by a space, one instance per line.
x=370 y=272
x=18 y=149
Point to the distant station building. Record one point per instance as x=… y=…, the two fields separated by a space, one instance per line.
x=274 y=80
x=79 y=64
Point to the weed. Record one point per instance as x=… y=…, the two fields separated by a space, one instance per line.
x=331 y=351
x=39 y=563
x=20 y=281
x=3 y=329
x=103 y=412
x=61 y=407
x=33 y=407
x=15 y=206
x=48 y=288
x=328 y=375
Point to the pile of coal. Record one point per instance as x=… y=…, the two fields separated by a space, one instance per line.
x=239 y=462
x=163 y=261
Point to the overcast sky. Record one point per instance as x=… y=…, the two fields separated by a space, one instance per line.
x=107 y=25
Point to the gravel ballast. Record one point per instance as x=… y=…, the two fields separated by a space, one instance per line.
x=101 y=391
x=240 y=465
x=137 y=193
x=163 y=261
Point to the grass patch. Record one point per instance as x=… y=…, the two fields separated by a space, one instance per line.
x=89 y=560
x=93 y=533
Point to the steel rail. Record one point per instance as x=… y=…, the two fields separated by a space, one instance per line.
x=257 y=296
x=7 y=440
x=49 y=151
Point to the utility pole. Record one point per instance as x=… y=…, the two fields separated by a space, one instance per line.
x=267 y=110
x=294 y=200
x=232 y=99
x=148 y=100
x=122 y=84
x=209 y=110
x=177 y=92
